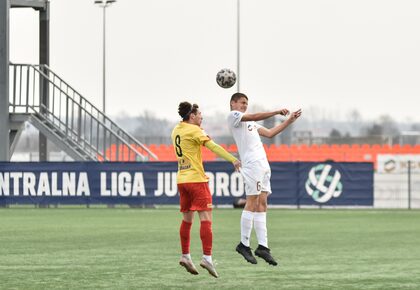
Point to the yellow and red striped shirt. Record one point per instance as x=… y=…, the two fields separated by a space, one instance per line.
x=187 y=140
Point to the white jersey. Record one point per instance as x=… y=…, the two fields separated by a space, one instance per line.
x=246 y=137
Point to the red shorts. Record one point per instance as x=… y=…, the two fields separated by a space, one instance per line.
x=195 y=196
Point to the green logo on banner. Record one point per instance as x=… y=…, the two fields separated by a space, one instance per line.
x=323 y=184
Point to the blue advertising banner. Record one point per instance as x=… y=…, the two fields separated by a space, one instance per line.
x=338 y=184
x=292 y=183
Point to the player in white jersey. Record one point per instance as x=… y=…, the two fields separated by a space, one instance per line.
x=255 y=171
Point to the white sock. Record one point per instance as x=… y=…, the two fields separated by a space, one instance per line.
x=260 y=226
x=188 y=256
x=246 y=226
x=208 y=259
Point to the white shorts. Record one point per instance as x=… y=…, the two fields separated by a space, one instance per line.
x=256 y=177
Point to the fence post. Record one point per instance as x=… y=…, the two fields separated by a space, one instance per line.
x=409 y=184
x=297 y=168
x=79 y=124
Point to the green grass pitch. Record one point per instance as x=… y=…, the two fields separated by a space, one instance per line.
x=121 y=248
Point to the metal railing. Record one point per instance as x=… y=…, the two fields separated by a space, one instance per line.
x=71 y=115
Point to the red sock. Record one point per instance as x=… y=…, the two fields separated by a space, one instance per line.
x=206 y=236
x=184 y=233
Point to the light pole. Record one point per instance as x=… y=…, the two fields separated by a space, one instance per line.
x=238 y=44
x=104 y=4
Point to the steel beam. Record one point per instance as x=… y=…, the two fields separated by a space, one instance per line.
x=4 y=80
x=36 y=4
x=44 y=58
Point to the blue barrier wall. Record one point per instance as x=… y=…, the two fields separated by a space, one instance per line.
x=293 y=183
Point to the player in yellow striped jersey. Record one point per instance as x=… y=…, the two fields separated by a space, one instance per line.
x=188 y=138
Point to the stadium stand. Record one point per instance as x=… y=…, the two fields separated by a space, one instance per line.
x=303 y=152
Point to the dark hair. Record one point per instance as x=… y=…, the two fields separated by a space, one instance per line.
x=236 y=96
x=185 y=109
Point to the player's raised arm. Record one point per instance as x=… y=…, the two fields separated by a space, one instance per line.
x=219 y=151
x=263 y=115
x=279 y=128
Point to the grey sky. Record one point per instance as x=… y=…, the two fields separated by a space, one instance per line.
x=331 y=54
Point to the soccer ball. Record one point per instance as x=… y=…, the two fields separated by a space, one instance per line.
x=226 y=78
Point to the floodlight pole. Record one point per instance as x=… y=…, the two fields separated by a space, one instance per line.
x=238 y=45
x=104 y=4
x=104 y=60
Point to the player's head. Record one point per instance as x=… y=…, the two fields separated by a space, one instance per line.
x=190 y=113
x=239 y=102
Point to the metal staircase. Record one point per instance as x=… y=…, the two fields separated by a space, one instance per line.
x=69 y=120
